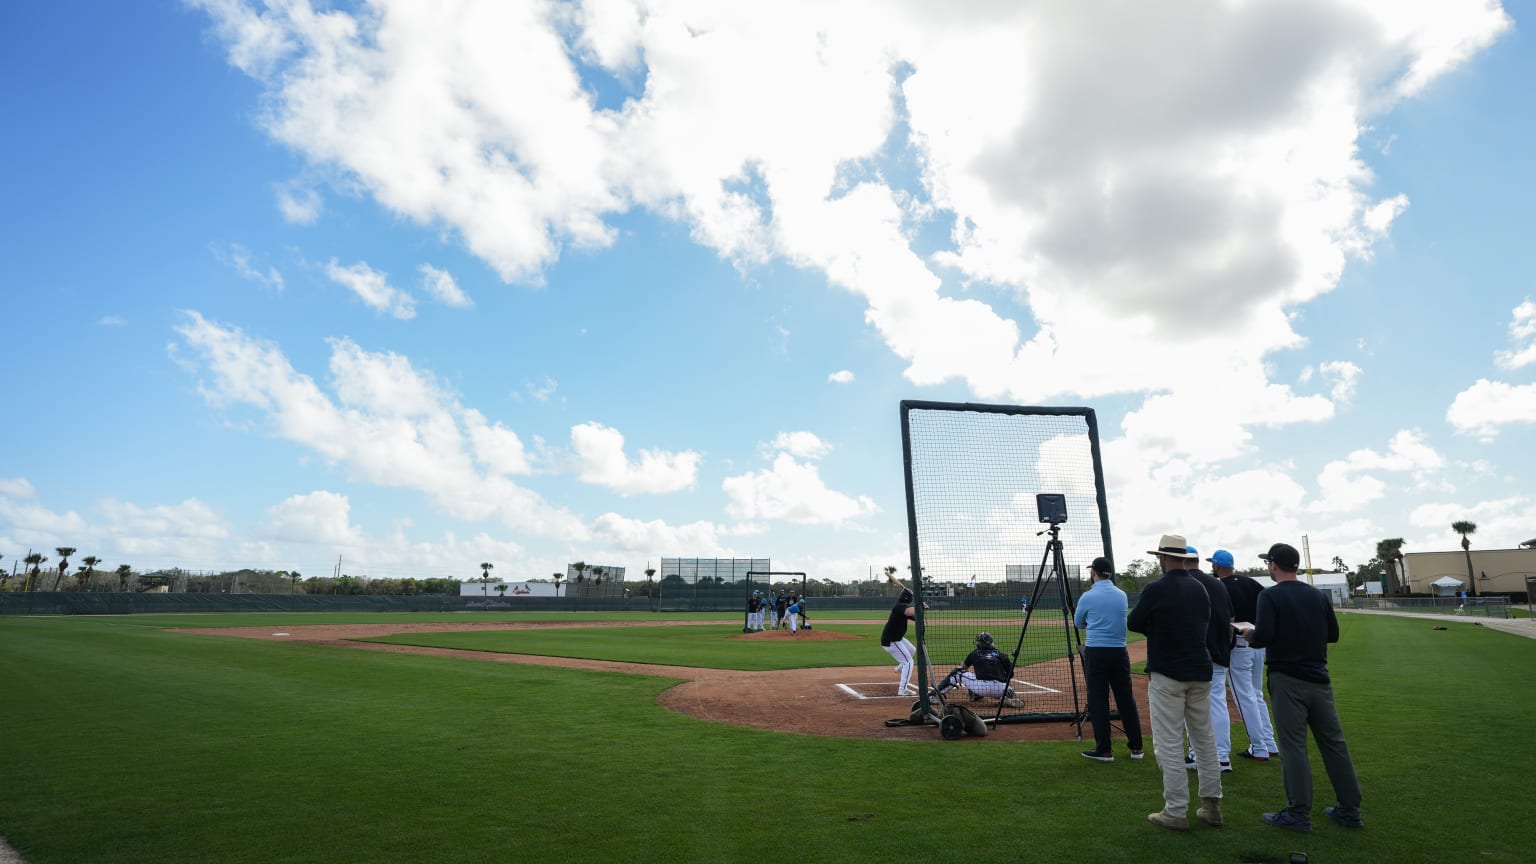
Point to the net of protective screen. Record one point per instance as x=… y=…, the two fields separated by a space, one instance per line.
x=993 y=556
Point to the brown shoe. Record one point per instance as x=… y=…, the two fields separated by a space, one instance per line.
x=1210 y=812
x=1172 y=823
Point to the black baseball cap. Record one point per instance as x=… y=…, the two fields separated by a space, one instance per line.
x=1284 y=556
x=1102 y=566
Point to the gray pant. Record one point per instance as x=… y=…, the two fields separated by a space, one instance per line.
x=1301 y=705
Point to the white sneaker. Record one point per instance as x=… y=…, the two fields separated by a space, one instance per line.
x=906 y=691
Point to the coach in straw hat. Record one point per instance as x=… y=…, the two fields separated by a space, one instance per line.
x=1173 y=613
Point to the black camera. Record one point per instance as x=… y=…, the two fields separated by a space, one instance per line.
x=1052 y=507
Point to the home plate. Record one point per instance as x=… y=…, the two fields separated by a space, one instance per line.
x=279 y=634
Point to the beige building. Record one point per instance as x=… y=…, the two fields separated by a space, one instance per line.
x=1498 y=571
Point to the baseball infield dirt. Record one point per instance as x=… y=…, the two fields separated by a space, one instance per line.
x=846 y=702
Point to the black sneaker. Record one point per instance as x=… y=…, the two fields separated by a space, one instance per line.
x=1104 y=757
x=1189 y=762
x=1289 y=821
x=1346 y=818
x=1248 y=754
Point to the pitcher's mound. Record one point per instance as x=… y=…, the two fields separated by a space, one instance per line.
x=811 y=635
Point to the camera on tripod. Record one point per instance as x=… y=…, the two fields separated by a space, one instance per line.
x=1052 y=507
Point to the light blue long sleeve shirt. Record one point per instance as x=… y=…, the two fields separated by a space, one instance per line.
x=1101 y=612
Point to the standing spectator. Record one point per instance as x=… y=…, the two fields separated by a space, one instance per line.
x=1174 y=612
x=895 y=642
x=1106 y=663
x=1295 y=622
x=1246 y=673
x=780 y=606
x=1218 y=642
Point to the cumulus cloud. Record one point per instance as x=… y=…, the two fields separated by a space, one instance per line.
x=599 y=452
x=1188 y=172
x=841 y=376
x=1522 y=338
x=442 y=287
x=791 y=491
x=1486 y=406
x=386 y=423
x=1343 y=377
x=805 y=445
x=1344 y=485
x=318 y=517
x=188 y=531
x=1502 y=523
x=373 y=288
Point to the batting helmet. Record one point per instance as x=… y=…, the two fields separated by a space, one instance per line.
x=906 y=596
x=984 y=640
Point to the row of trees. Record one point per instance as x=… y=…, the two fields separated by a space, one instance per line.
x=36 y=580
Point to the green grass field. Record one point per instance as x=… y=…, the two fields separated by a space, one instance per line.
x=127 y=743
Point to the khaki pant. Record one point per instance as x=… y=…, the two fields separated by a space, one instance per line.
x=1177 y=705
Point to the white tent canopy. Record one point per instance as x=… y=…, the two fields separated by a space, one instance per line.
x=1445 y=586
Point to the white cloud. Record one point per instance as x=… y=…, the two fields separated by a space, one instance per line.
x=1522 y=338
x=17 y=487
x=299 y=205
x=388 y=424
x=110 y=321
x=841 y=376
x=1502 y=523
x=1488 y=405
x=319 y=517
x=805 y=445
x=1345 y=485
x=601 y=461
x=441 y=286
x=542 y=389
x=238 y=257
x=793 y=492
x=1191 y=171
x=634 y=536
x=164 y=533
x=373 y=288
x=1343 y=378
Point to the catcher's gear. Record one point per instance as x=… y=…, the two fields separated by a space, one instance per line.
x=984 y=641
x=972 y=721
x=905 y=596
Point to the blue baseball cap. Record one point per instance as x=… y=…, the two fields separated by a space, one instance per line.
x=1192 y=551
x=1221 y=558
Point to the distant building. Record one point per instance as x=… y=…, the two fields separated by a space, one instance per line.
x=1498 y=571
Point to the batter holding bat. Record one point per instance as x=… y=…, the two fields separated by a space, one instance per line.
x=894 y=637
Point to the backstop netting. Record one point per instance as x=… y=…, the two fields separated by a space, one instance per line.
x=979 y=548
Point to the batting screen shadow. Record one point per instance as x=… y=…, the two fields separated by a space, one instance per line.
x=980 y=544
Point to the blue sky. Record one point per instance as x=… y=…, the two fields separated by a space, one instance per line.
x=612 y=281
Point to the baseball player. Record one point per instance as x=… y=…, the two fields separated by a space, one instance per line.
x=993 y=668
x=895 y=642
x=780 y=606
x=792 y=615
x=755 y=612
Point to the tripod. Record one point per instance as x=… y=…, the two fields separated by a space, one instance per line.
x=1054 y=557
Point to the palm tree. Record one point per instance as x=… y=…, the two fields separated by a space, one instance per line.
x=64 y=553
x=36 y=559
x=485 y=576
x=1463 y=527
x=597 y=579
x=89 y=570
x=123 y=572
x=559 y=580
x=580 y=567
x=293 y=578
x=502 y=590
x=1390 y=552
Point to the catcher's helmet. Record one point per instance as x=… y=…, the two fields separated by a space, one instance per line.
x=906 y=596
x=983 y=640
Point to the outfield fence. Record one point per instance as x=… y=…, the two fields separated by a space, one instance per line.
x=1476 y=607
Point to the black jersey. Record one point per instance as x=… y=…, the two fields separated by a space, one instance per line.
x=990 y=665
x=896 y=625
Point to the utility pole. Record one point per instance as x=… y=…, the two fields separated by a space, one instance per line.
x=1306 y=557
